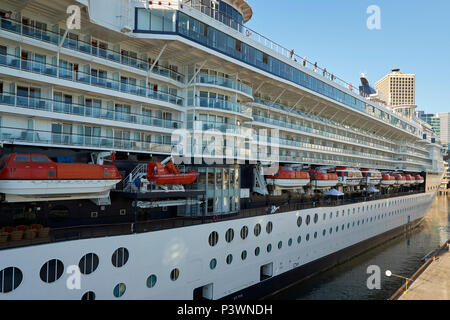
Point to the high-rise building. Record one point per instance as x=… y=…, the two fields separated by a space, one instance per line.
x=432 y=119
x=398 y=88
x=445 y=128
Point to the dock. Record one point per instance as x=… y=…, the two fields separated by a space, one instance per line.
x=431 y=281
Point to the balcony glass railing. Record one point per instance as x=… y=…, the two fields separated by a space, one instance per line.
x=84 y=110
x=224 y=82
x=19 y=135
x=330 y=123
x=87 y=48
x=222 y=127
x=222 y=105
x=315 y=147
x=85 y=78
x=288 y=125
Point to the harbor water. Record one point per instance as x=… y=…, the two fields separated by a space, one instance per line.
x=402 y=255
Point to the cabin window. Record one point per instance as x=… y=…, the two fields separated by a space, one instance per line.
x=22 y=158
x=39 y=159
x=10 y=279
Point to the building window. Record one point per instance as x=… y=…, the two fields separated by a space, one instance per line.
x=88 y=263
x=10 y=279
x=52 y=270
x=120 y=257
x=229 y=236
x=119 y=290
x=213 y=238
x=174 y=274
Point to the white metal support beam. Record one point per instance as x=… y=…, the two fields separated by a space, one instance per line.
x=195 y=75
x=295 y=105
x=279 y=96
x=318 y=115
x=154 y=63
x=259 y=87
x=59 y=50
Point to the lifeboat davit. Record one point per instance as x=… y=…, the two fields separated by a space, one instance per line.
x=388 y=180
x=400 y=179
x=35 y=177
x=168 y=174
x=322 y=179
x=371 y=177
x=419 y=179
x=289 y=178
x=349 y=176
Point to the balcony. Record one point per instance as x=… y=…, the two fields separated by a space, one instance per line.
x=235 y=107
x=225 y=83
x=85 y=78
x=84 y=111
x=25 y=136
x=47 y=36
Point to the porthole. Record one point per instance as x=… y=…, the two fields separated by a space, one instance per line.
x=244 y=255
x=315 y=235
x=88 y=263
x=151 y=281
x=120 y=257
x=337 y=229
x=269 y=227
x=88 y=296
x=229 y=259
x=244 y=232
x=269 y=247
x=348 y=225
x=299 y=239
x=257 y=230
x=229 y=235
x=52 y=270
x=324 y=232
x=119 y=290
x=280 y=245
x=308 y=220
x=324 y=216
x=213 y=238
x=213 y=264
x=10 y=279
x=174 y=274
x=307 y=237
x=299 y=221
x=257 y=251
x=290 y=242
x=316 y=218
x=331 y=230
x=342 y=228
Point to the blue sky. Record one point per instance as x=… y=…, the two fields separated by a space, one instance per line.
x=414 y=36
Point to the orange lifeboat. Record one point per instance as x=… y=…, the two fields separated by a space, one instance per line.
x=400 y=179
x=409 y=179
x=371 y=177
x=387 y=179
x=320 y=178
x=168 y=174
x=419 y=179
x=349 y=176
x=289 y=178
x=34 y=177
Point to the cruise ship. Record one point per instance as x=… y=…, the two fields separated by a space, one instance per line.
x=163 y=150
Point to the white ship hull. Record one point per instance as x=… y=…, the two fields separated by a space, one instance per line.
x=188 y=250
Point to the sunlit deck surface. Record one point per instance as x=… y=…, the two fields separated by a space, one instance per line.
x=78 y=232
x=433 y=283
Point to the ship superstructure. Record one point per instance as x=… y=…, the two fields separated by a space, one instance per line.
x=213 y=128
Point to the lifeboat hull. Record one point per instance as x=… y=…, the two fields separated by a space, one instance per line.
x=55 y=187
x=288 y=183
x=371 y=181
x=175 y=179
x=388 y=182
x=324 y=183
x=350 y=182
